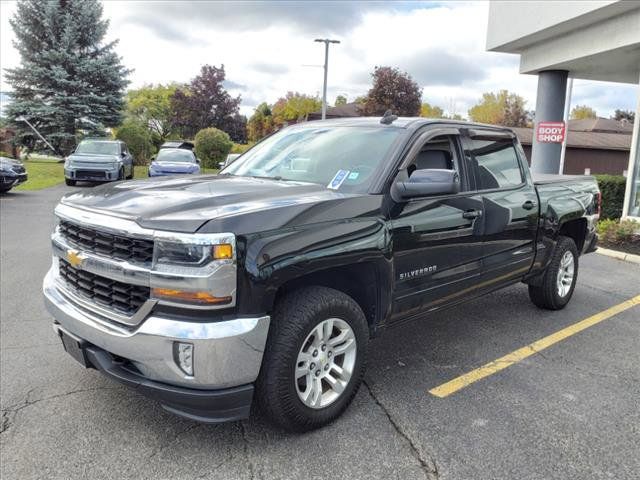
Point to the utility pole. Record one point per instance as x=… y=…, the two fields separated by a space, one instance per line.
x=326 y=42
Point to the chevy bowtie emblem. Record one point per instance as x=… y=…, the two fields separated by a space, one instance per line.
x=75 y=258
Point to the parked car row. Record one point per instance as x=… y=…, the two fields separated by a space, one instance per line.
x=99 y=160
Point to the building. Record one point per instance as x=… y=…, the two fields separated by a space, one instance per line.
x=594 y=40
x=594 y=146
x=351 y=109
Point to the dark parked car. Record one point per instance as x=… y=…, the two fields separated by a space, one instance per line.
x=98 y=160
x=12 y=174
x=174 y=161
x=274 y=275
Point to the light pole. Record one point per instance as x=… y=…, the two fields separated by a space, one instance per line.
x=326 y=42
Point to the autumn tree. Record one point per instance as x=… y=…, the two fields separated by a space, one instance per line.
x=294 y=107
x=582 y=112
x=627 y=115
x=501 y=108
x=340 y=100
x=204 y=103
x=429 y=111
x=151 y=106
x=69 y=78
x=393 y=90
x=260 y=124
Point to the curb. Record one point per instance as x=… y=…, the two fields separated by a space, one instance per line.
x=625 y=257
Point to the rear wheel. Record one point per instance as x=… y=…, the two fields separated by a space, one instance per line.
x=559 y=280
x=314 y=359
x=69 y=182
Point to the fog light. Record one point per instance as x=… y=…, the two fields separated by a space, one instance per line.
x=183 y=356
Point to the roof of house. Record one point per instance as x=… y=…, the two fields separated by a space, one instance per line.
x=603 y=125
x=351 y=109
x=584 y=139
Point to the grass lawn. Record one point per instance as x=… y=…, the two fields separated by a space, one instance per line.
x=44 y=173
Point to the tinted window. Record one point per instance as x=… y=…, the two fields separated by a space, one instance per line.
x=497 y=164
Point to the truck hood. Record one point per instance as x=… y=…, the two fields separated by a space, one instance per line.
x=185 y=204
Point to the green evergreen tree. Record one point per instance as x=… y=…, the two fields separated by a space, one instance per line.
x=68 y=79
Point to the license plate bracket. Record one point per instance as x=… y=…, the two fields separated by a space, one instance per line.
x=74 y=346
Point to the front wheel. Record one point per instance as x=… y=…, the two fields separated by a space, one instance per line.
x=314 y=360
x=559 y=280
x=121 y=174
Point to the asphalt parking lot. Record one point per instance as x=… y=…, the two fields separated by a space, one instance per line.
x=569 y=411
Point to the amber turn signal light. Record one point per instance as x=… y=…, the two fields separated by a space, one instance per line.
x=203 y=298
x=222 y=251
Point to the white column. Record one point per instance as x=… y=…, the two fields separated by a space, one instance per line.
x=633 y=175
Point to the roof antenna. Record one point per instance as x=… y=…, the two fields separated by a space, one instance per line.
x=388 y=118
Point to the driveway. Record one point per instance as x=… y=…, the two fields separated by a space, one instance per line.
x=570 y=411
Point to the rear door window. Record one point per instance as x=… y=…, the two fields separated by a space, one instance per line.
x=496 y=163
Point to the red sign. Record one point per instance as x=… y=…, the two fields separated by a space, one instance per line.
x=550 y=132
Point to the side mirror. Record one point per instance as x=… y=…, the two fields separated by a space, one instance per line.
x=123 y=154
x=221 y=165
x=197 y=160
x=423 y=183
x=153 y=157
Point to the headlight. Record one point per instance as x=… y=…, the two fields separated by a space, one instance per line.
x=172 y=253
x=196 y=269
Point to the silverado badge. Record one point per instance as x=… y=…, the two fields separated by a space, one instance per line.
x=75 y=258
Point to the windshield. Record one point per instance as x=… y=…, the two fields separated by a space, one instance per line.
x=99 y=148
x=165 y=155
x=343 y=158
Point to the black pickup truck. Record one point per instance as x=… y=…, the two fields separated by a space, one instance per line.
x=268 y=280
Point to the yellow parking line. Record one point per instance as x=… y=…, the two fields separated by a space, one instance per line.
x=501 y=363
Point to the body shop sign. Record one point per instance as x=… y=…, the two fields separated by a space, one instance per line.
x=550 y=132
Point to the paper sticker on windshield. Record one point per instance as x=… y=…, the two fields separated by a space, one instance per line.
x=354 y=175
x=339 y=178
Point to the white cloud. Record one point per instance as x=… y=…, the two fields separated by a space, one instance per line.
x=268 y=49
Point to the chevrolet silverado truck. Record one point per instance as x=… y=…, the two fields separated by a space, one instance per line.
x=264 y=284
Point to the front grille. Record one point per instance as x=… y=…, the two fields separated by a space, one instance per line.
x=121 y=297
x=108 y=244
x=90 y=174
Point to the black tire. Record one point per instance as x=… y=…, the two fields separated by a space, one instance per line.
x=547 y=295
x=294 y=317
x=121 y=174
x=69 y=182
x=130 y=177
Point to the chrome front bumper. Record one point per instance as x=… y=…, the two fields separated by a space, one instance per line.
x=227 y=353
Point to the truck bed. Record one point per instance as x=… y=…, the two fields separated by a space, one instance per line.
x=548 y=178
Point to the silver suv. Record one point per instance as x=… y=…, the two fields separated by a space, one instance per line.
x=97 y=160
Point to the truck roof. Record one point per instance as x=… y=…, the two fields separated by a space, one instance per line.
x=401 y=122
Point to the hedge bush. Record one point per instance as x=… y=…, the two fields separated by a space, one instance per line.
x=212 y=146
x=612 y=188
x=615 y=232
x=138 y=139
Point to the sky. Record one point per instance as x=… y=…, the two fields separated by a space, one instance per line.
x=268 y=49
